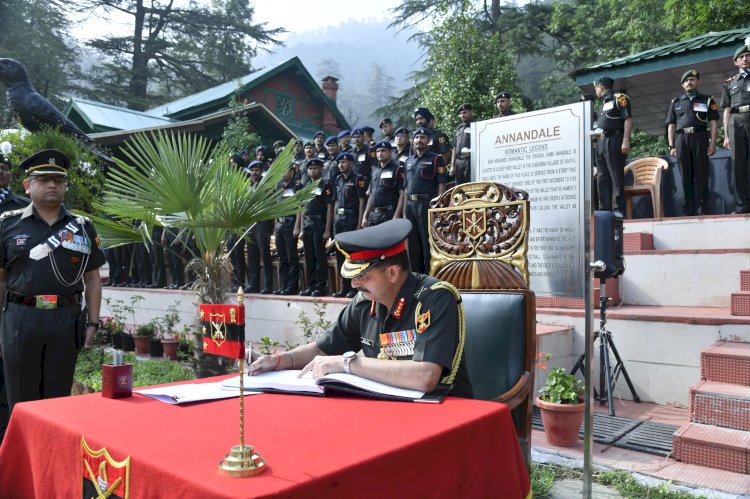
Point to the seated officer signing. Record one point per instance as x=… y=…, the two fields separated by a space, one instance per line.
x=406 y=325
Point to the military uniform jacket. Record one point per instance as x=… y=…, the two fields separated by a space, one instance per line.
x=13 y=202
x=439 y=142
x=321 y=153
x=364 y=160
x=421 y=326
x=22 y=230
x=402 y=156
x=316 y=209
x=503 y=115
x=462 y=142
x=287 y=190
x=695 y=112
x=347 y=191
x=331 y=170
x=385 y=185
x=615 y=110
x=424 y=173
x=736 y=92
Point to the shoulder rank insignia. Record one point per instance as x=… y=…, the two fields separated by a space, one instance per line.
x=399 y=308
x=441 y=169
x=10 y=213
x=423 y=322
x=622 y=100
x=362 y=183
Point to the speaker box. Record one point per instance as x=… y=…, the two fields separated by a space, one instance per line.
x=608 y=243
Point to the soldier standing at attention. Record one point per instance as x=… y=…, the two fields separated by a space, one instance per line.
x=259 y=247
x=691 y=118
x=503 y=103
x=616 y=122
x=320 y=150
x=349 y=196
x=426 y=177
x=438 y=141
x=317 y=220
x=363 y=161
x=736 y=104
x=330 y=166
x=49 y=257
x=386 y=127
x=386 y=199
x=402 y=149
x=462 y=147
x=343 y=138
x=287 y=232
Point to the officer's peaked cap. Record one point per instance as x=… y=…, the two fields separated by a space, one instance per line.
x=365 y=248
x=47 y=162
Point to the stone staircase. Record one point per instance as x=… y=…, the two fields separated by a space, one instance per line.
x=718 y=434
x=741 y=301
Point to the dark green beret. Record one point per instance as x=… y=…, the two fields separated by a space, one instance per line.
x=742 y=50
x=604 y=81
x=690 y=73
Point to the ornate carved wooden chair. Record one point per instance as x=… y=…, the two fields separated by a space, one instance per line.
x=478 y=243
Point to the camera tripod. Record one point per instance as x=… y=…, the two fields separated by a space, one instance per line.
x=607 y=376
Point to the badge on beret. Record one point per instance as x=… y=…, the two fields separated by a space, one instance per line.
x=361 y=182
x=423 y=322
x=441 y=140
x=441 y=169
x=622 y=100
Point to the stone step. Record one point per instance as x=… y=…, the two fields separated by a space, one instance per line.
x=697 y=278
x=726 y=362
x=713 y=447
x=720 y=404
x=741 y=303
x=744 y=280
x=637 y=241
x=613 y=293
x=709 y=232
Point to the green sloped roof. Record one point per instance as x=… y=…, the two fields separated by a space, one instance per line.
x=98 y=117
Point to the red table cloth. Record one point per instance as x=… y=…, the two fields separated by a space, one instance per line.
x=313 y=447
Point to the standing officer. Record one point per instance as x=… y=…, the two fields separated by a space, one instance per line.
x=736 y=104
x=317 y=220
x=343 y=137
x=287 y=232
x=503 y=103
x=438 y=141
x=349 y=196
x=616 y=122
x=320 y=150
x=426 y=177
x=330 y=166
x=690 y=119
x=386 y=199
x=386 y=127
x=462 y=146
x=259 y=247
x=402 y=148
x=48 y=258
x=363 y=158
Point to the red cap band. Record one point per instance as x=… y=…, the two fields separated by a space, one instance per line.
x=370 y=254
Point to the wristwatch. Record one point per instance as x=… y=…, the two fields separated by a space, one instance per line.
x=94 y=324
x=348 y=358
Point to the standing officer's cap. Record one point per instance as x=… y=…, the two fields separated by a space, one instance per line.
x=237 y=161
x=503 y=95
x=383 y=144
x=47 y=162
x=298 y=142
x=343 y=133
x=243 y=152
x=465 y=107
x=402 y=129
x=345 y=155
x=309 y=144
x=384 y=122
x=331 y=140
x=261 y=148
x=424 y=113
x=278 y=143
x=357 y=131
x=604 y=81
x=744 y=49
x=421 y=131
x=319 y=132
x=365 y=248
x=368 y=129
x=690 y=73
x=315 y=161
x=255 y=164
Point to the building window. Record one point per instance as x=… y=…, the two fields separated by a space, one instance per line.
x=284 y=105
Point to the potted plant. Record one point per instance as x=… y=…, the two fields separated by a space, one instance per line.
x=142 y=338
x=561 y=404
x=170 y=339
x=155 y=349
x=113 y=329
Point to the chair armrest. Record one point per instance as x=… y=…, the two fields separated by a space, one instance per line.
x=513 y=397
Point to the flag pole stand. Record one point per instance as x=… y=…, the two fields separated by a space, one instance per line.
x=242 y=459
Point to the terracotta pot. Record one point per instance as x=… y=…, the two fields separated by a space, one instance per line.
x=128 y=344
x=561 y=422
x=170 y=349
x=142 y=344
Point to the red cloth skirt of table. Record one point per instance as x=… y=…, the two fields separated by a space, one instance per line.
x=314 y=447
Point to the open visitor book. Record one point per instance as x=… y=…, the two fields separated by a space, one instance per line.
x=288 y=382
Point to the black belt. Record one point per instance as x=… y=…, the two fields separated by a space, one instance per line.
x=463 y=156
x=692 y=129
x=740 y=109
x=44 y=301
x=417 y=197
x=609 y=133
x=313 y=216
x=383 y=209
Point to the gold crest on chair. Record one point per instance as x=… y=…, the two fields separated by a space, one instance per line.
x=479 y=236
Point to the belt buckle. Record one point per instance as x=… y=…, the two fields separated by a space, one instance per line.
x=688 y=129
x=46 y=302
x=743 y=109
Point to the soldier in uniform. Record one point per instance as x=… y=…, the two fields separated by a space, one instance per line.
x=426 y=177
x=343 y=138
x=407 y=325
x=364 y=159
x=439 y=142
x=402 y=147
x=736 y=104
x=278 y=146
x=462 y=146
x=299 y=150
x=260 y=246
x=309 y=152
x=261 y=154
x=287 y=233
x=330 y=166
x=386 y=199
x=616 y=122
x=368 y=132
x=503 y=103
x=692 y=121
x=320 y=150
x=386 y=127
x=349 y=196
x=49 y=261
x=317 y=221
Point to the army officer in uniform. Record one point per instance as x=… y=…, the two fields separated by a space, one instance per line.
x=406 y=325
x=735 y=101
x=49 y=261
